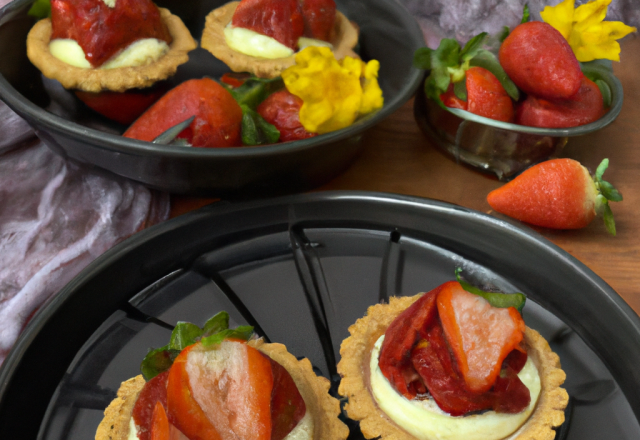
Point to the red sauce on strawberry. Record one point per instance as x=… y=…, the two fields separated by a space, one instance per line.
x=287 y=20
x=153 y=391
x=423 y=350
x=102 y=31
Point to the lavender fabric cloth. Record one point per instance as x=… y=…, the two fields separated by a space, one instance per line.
x=462 y=19
x=56 y=216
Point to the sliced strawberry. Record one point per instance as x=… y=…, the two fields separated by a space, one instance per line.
x=160 y=423
x=282 y=109
x=287 y=405
x=154 y=391
x=432 y=360
x=319 y=18
x=557 y=194
x=278 y=19
x=540 y=61
x=509 y=395
x=584 y=107
x=218 y=115
x=399 y=339
x=102 y=31
x=486 y=96
x=183 y=410
x=480 y=336
x=222 y=392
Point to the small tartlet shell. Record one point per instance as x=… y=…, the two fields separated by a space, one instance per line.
x=314 y=390
x=344 y=39
x=116 y=80
x=355 y=354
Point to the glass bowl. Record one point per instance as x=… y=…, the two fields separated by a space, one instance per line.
x=503 y=148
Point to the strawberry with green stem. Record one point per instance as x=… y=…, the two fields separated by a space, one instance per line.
x=558 y=194
x=448 y=77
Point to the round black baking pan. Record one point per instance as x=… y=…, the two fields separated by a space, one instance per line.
x=301 y=269
x=388 y=33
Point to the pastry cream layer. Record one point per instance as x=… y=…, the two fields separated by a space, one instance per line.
x=426 y=421
x=139 y=53
x=254 y=44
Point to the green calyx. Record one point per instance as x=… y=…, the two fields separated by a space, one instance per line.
x=606 y=193
x=449 y=63
x=214 y=331
x=496 y=299
x=255 y=130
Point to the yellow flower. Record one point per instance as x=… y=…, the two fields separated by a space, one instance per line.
x=333 y=92
x=589 y=36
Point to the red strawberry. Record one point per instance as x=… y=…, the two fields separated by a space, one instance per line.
x=479 y=335
x=102 y=31
x=582 y=108
x=450 y=99
x=278 y=19
x=123 y=107
x=557 y=194
x=319 y=18
x=540 y=61
x=217 y=122
x=282 y=109
x=486 y=96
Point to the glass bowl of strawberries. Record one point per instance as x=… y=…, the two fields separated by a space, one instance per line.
x=502 y=103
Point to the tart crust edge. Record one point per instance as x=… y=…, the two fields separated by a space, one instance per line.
x=115 y=424
x=353 y=367
x=118 y=79
x=344 y=39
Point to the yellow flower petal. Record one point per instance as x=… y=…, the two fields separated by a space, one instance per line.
x=589 y=36
x=560 y=16
x=590 y=14
x=331 y=91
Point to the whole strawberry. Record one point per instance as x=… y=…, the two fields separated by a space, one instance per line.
x=558 y=194
x=540 y=61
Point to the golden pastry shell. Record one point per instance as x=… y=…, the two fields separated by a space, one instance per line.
x=118 y=79
x=344 y=39
x=314 y=390
x=355 y=354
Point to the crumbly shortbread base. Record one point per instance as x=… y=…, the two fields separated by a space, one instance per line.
x=118 y=79
x=314 y=390
x=344 y=39
x=115 y=424
x=355 y=354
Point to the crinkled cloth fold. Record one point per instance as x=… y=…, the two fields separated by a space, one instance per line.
x=56 y=217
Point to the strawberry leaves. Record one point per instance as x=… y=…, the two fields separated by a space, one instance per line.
x=607 y=193
x=449 y=63
x=255 y=130
x=496 y=299
x=214 y=331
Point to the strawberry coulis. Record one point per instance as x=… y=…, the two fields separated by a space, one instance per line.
x=417 y=356
x=102 y=31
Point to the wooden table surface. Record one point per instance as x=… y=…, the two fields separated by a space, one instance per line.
x=397 y=158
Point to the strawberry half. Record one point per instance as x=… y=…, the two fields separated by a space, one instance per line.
x=486 y=96
x=279 y=19
x=479 y=335
x=319 y=18
x=558 y=194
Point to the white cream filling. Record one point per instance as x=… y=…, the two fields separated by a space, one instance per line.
x=139 y=53
x=426 y=421
x=254 y=44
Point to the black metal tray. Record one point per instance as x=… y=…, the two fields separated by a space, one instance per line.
x=302 y=269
